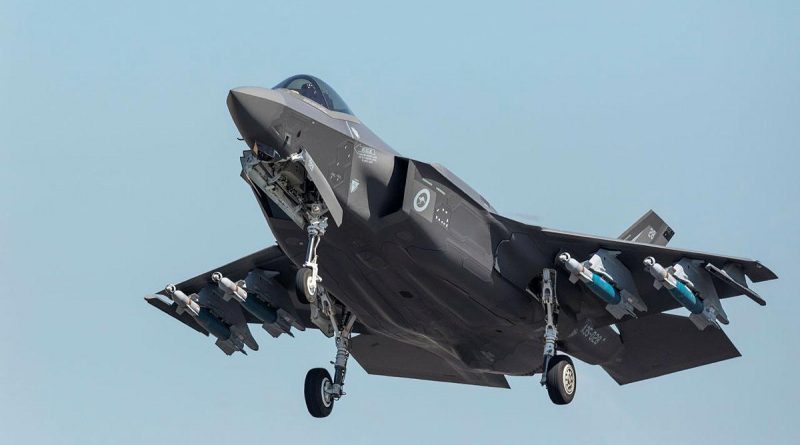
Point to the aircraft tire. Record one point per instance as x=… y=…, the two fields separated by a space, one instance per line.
x=561 y=380
x=303 y=285
x=318 y=403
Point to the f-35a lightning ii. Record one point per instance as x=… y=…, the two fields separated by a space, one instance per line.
x=416 y=275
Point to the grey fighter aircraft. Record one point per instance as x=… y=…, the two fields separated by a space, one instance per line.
x=415 y=274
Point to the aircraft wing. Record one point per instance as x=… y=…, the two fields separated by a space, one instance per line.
x=588 y=243
x=653 y=343
x=268 y=278
x=550 y=243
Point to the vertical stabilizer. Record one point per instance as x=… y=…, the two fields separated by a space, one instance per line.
x=649 y=229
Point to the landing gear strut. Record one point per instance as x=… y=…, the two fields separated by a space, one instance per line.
x=308 y=276
x=558 y=372
x=320 y=390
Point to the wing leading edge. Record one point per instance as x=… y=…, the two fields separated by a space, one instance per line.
x=588 y=244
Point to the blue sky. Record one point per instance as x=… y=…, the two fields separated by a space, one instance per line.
x=119 y=173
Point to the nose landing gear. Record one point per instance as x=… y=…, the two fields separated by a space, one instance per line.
x=308 y=276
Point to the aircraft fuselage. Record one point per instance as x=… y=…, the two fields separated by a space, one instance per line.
x=413 y=256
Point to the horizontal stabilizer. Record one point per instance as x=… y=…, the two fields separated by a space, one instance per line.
x=662 y=344
x=649 y=229
x=380 y=355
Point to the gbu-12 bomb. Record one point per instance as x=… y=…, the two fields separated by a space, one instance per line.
x=679 y=291
x=230 y=288
x=606 y=277
x=268 y=315
x=202 y=315
x=258 y=308
x=183 y=301
x=691 y=286
x=597 y=284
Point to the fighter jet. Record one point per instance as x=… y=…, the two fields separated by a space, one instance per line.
x=416 y=275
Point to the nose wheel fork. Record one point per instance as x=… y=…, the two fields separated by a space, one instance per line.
x=308 y=278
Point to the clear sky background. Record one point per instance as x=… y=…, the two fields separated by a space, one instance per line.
x=119 y=173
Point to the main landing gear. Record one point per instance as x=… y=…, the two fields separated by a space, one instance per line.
x=558 y=372
x=321 y=390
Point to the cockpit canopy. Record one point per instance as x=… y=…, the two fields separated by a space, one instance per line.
x=316 y=90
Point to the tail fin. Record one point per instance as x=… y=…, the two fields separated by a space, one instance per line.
x=649 y=229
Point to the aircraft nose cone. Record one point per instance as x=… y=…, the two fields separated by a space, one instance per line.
x=254 y=111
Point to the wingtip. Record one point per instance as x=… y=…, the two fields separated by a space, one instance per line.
x=761 y=273
x=151 y=298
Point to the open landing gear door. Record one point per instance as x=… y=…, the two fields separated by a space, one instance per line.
x=383 y=356
x=326 y=192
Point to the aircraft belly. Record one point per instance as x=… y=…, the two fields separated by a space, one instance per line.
x=423 y=273
x=426 y=296
x=394 y=296
x=414 y=256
